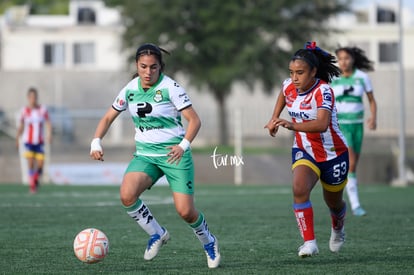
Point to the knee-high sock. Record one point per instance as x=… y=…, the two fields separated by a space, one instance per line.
x=338 y=218
x=352 y=191
x=304 y=218
x=143 y=216
x=201 y=230
x=32 y=179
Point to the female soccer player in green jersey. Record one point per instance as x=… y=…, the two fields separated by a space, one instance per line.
x=156 y=103
x=349 y=90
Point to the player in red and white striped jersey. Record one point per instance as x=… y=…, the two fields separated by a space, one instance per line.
x=31 y=131
x=319 y=151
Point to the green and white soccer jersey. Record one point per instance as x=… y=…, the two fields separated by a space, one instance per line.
x=156 y=114
x=349 y=93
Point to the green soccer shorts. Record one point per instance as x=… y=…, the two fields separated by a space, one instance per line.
x=180 y=176
x=354 y=134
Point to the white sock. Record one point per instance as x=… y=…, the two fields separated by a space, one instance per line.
x=142 y=215
x=200 y=229
x=352 y=191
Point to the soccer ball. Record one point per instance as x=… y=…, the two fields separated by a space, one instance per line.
x=91 y=245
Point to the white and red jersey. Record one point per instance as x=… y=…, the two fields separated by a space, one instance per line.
x=34 y=120
x=303 y=107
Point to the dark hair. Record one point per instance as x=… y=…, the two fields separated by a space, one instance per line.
x=32 y=90
x=319 y=59
x=151 y=49
x=361 y=61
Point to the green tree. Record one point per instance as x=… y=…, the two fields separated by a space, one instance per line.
x=216 y=43
x=38 y=6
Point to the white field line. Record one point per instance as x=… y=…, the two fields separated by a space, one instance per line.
x=103 y=199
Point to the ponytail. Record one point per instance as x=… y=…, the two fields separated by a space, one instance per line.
x=317 y=58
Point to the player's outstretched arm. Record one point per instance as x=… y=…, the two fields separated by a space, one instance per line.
x=96 y=148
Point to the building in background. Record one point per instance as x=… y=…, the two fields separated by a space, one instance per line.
x=375 y=28
x=88 y=38
x=77 y=62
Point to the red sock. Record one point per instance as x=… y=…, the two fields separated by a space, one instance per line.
x=36 y=179
x=304 y=218
x=32 y=183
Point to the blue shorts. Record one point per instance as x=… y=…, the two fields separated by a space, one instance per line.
x=332 y=173
x=34 y=151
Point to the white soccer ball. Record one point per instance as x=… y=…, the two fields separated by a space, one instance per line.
x=91 y=245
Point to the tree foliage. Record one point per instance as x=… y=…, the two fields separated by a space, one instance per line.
x=216 y=43
x=38 y=6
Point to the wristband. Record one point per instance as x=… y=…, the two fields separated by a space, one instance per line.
x=184 y=144
x=96 y=145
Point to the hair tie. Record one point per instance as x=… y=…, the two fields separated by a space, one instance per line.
x=312 y=46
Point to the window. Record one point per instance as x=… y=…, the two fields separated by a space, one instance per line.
x=86 y=16
x=54 y=54
x=385 y=15
x=388 y=52
x=83 y=53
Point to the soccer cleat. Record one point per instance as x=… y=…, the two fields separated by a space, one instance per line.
x=212 y=253
x=155 y=243
x=308 y=249
x=359 y=212
x=337 y=239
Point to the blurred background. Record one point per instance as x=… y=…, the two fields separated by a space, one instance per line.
x=230 y=56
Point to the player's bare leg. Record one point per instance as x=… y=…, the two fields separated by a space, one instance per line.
x=133 y=185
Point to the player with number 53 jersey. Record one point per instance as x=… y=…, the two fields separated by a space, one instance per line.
x=319 y=152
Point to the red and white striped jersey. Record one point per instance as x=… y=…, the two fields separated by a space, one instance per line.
x=34 y=120
x=303 y=108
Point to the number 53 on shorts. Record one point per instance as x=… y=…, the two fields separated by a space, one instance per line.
x=335 y=171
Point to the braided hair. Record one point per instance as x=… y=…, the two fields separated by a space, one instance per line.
x=361 y=61
x=317 y=58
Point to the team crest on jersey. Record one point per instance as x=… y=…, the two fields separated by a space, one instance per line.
x=306 y=103
x=158 y=96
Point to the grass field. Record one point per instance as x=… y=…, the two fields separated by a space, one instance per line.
x=254 y=224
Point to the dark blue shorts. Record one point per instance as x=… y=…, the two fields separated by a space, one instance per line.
x=34 y=151
x=333 y=173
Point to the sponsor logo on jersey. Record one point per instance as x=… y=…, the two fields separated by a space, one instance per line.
x=185 y=97
x=158 y=96
x=301 y=115
x=149 y=128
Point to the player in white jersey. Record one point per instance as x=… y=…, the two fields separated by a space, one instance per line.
x=319 y=151
x=349 y=90
x=156 y=103
x=33 y=119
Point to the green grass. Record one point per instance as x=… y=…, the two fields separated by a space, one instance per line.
x=255 y=226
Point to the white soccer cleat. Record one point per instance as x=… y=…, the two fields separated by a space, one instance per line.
x=337 y=239
x=308 y=249
x=154 y=245
x=212 y=253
